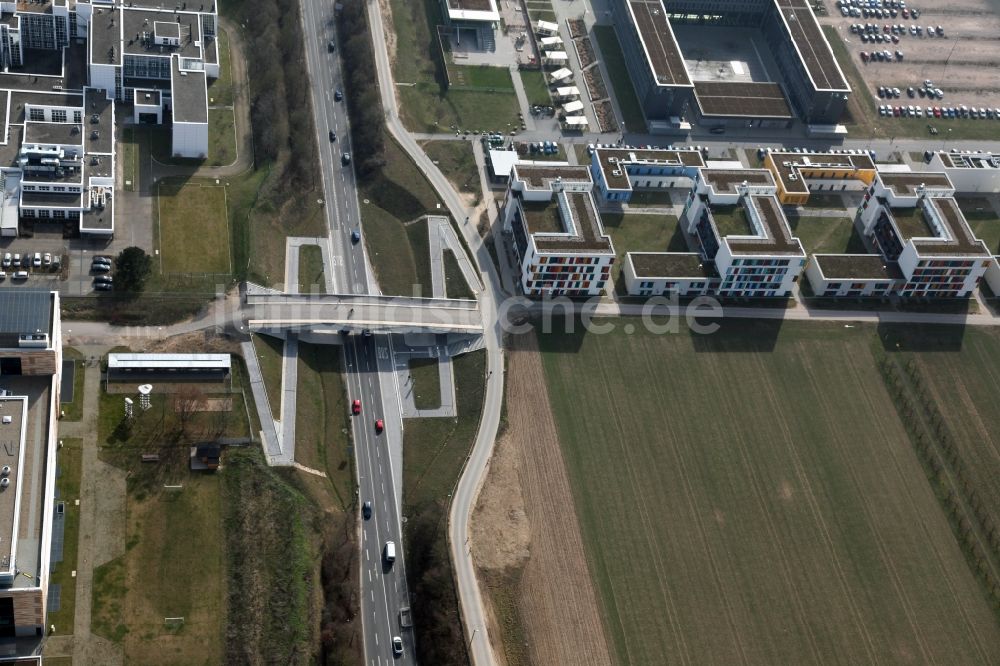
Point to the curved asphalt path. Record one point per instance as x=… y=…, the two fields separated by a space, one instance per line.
x=475 y=469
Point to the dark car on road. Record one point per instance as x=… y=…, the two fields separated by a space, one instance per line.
x=345 y=159
x=366 y=510
x=333 y=136
x=355 y=236
x=338 y=94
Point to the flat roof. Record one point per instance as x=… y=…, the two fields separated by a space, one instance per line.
x=100 y=219
x=52 y=199
x=727 y=180
x=969 y=160
x=669 y=265
x=39 y=7
x=811 y=44
x=147 y=97
x=610 y=160
x=473 y=10
x=857 y=267
x=787 y=163
x=776 y=237
x=13 y=414
x=27 y=312
x=105 y=35
x=189 y=94
x=63 y=134
x=18 y=100
x=741 y=99
x=582 y=233
x=167 y=361
x=98 y=113
x=907 y=183
x=658 y=41
x=540 y=177
x=167 y=29
x=139 y=21
x=963 y=243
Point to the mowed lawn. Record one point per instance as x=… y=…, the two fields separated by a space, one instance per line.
x=752 y=497
x=176 y=569
x=194 y=228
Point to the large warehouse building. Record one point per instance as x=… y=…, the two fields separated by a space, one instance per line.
x=811 y=86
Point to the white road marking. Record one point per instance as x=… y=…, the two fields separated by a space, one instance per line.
x=370 y=578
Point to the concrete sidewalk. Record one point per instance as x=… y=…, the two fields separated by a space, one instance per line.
x=269 y=434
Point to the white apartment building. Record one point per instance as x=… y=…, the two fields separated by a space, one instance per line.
x=926 y=248
x=555 y=230
x=969 y=171
x=745 y=247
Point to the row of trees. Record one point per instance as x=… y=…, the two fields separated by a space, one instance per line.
x=361 y=82
x=280 y=106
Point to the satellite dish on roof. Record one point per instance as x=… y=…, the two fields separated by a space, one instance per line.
x=146 y=389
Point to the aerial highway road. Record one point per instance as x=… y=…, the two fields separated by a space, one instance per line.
x=383 y=589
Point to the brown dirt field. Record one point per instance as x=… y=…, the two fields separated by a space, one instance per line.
x=558 y=603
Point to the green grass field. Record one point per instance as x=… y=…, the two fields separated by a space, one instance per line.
x=536 y=87
x=322 y=421
x=425 y=383
x=220 y=90
x=311 y=270
x=458 y=164
x=194 y=228
x=481 y=76
x=752 y=497
x=269 y=353
x=638 y=232
x=68 y=462
x=621 y=83
x=835 y=235
x=426 y=105
x=221 y=141
x=455 y=285
x=983 y=219
x=171 y=577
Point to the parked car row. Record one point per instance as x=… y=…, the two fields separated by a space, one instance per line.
x=938 y=112
x=101 y=265
x=928 y=90
x=28 y=260
x=881 y=56
x=876 y=9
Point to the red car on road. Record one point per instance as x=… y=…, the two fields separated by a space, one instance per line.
x=379 y=426
x=356 y=407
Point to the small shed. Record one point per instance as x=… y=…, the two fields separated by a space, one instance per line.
x=575 y=123
x=573 y=108
x=206 y=456
x=567 y=92
x=550 y=42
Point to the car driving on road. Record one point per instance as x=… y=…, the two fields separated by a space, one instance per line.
x=366 y=510
x=379 y=426
x=356 y=407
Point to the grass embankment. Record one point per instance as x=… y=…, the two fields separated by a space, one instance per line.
x=427 y=105
x=455 y=285
x=222 y=149
x=311 y=275
x=456 y=161
x=68 y=465
x=621 y=82
x=270 y=351
x=322 y=425
x=220 y=90
x=425 y=382
x=434 y=452
x=73 y=411
x=801 y=523
x=398 y=251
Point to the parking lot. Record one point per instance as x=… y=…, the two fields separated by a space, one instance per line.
x=961 y=62
x=69 y=269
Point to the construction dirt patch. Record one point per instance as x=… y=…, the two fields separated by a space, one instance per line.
x=525 y=531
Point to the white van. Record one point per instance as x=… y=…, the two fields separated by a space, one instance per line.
x=390 y=551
